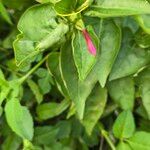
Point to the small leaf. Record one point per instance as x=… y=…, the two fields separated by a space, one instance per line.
x=36 y=91
x=124 y=125
x=19 y=119
x=143 y=81
x=94 y=108
x=122 y=92
x=65 y=7
x=140 y=141
x=49 y=110
x=84 y=60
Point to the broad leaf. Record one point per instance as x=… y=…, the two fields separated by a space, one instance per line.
x=94 y=108
x=78 y=90
x=84 y=60
x=115 y=8
x=140 y=141
x=110 y=45
x=122 y=92
x=53 y=66
x=123 y=146
x=124 y=125
x=39 y=31
x=130 y=59
x=19 y=119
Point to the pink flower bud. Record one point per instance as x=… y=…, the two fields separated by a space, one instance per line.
x=90 y=45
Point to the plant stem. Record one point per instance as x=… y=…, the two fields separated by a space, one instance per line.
x=105 y=135
x=21 y=80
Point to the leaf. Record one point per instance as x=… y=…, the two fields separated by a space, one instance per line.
x=4 y=13
x=130 y=59
x=144 y=22
x=65 y=7
x=19 y=119
x=39 y=31
x=49 y=110
x=140 y=141
x=78 y=90
x=84 y=60
x=142 y=39
x=94 y=108
x=123 y=146
x=124 y=125
x=12 y=142
x=36 y=91
x=53 y=66
x=115 y=8
x=4 y=87
x=110 y=45
x=122 y=92
x=44 y=81
x=45 y=135
x=143 y=80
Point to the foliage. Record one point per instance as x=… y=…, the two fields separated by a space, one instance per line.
x=74 y=75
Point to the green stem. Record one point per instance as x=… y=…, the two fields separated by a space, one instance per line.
x=105 y=135
x=21 y=80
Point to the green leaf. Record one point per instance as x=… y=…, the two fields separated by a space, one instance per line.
x=54 y=69
x=39 y=31
x=84 y=60
x=94 y=108
x=45 y=135
x=124 y=125
x=4 y=13
x=130 y=59
x=19 y=119
x=45 y=80
x=12 y=142
x=49 y=110
x=122 y=92
x=110 y=45
x=65 y=7
x=115 y=8
x=78 y=90
x=143 y=80
x=140 y=141
x=142 y=39
x=123 y=146
x=144 y=22
x=36 y=91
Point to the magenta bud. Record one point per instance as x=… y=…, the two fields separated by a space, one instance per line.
x=90 y=45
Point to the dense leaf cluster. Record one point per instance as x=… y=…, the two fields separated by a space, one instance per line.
x=74 y=74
